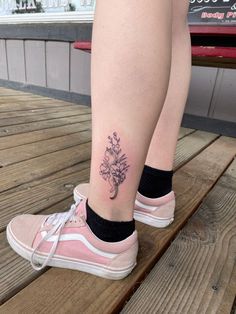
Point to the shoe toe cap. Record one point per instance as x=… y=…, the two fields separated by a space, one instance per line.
x=24 y=228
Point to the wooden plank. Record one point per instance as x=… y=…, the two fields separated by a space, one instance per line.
x=32 y=105
x=25 y=101
x=9 y=103
x=186 y=148
x=21 y=98
x=43 y=117
x=10 y=95
x=46 y=192
x=12 y=92
x=39 y=167
x=184 y=132
x=22 y=196
x=33 y=126
x=191 y=183
x=32 y=150
x=191 y=145
x=9 y=91
x=28 y=98
x=197 y=274
x=31 y=112
x=43 y=100
x=40 y=135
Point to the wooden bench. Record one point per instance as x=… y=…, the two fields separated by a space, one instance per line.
x=206 y=53
x=214 y=46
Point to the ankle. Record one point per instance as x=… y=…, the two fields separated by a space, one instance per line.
x=112 y=211
x=155 y=183
x=107 y=230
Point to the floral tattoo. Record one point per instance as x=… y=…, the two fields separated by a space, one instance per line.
x=114 y=165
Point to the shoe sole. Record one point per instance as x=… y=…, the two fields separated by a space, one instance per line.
x=151 y=220
x=58 y=261
x=144 y=218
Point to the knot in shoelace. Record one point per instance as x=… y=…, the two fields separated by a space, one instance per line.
x=58 y=221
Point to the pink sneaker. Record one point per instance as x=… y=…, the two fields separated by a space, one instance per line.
x=156 y=212
x=65 y=240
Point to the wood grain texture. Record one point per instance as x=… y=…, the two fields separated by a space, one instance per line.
x=45 y=134
x=184 y=132
x=46 y=192
x=37 y=103
x=28 y=151
x=19 y=106
x=41 y=166
x=25 y=98
x=18 y=199
x=40 y=194
x=66 y=291
x=191 y=145
x=21 y=98
x=33 y=126
x=7 y=91
x=43 y=117
x=186 y=148
x=197 y=274
x=40 y=111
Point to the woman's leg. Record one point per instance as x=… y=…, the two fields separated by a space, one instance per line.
x=131 y=54
x=162 y=149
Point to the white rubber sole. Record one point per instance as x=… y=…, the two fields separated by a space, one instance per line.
x=151 y=220
x=61 y=262
x=144 y=218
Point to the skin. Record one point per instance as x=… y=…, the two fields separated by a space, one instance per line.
x=163 y=145
x=131 y=74
x=114 y=165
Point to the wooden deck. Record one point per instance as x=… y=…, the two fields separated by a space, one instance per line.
x=188 y=267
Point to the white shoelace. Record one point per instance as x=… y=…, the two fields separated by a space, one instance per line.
x=58 y=220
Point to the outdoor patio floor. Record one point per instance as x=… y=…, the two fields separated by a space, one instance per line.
x=188 y=267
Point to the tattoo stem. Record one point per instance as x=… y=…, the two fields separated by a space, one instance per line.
x=115 y=192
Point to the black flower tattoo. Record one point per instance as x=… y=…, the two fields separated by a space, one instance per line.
x=114 y=165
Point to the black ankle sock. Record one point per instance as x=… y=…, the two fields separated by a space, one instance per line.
x=155 y=183
x=107 y=230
